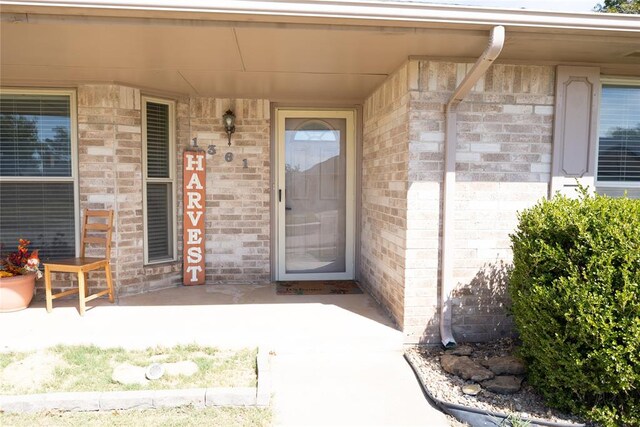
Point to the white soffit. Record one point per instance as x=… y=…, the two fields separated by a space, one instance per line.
x=275 y=60
x=364 y=51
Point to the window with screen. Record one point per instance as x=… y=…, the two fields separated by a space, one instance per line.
x=159 y=149
x=37 y=171
x=619 y=139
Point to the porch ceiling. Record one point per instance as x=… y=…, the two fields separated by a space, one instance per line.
x=314 y=63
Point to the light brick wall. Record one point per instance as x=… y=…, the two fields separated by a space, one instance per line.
x=384 y=186
x=485 y=215
x=110 y=177
x=503 y=166
x=237 y=204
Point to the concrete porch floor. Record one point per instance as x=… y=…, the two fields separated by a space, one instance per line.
x=338 y=358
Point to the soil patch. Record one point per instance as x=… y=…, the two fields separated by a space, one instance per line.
x=30 y=372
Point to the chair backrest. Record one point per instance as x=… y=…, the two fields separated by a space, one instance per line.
x=97 y=232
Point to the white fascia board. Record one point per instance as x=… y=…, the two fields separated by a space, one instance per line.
x=392 y=12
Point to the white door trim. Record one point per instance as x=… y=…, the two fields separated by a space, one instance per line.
x=350 y=116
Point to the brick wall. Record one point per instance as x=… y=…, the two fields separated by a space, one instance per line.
x=237 y=205
x=384 y=186
x=503 y=165
x=110 y=177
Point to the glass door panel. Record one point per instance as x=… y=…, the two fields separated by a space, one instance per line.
x=315 y=181
x=315 y=195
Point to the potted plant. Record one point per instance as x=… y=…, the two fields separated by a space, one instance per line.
x=18 y=274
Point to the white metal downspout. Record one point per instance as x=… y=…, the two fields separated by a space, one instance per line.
x=496 y=42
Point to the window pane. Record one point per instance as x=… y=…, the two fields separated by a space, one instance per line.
x=157 y=140
x=159 y=223
x=35 y=135
x=42 y=213
x=619 y=148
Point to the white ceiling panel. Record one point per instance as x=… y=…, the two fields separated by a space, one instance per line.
x=107 y=44
x=161 y=81
x=304 y=87
x=348 y=51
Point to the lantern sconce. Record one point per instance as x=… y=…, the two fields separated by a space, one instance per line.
x=229 y=120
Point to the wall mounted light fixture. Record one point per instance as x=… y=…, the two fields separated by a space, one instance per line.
x=229 y=120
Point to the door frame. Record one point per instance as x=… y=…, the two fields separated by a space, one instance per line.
x=350 y=221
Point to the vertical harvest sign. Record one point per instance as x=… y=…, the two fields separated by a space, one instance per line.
x=194 y=182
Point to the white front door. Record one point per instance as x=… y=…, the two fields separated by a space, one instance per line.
x=315 y=194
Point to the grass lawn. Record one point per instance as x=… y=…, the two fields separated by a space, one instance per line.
x=89 y=368
x=183 y=416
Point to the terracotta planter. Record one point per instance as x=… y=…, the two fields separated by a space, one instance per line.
x=16 y=292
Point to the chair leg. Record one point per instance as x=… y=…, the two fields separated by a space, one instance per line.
x=107 y=270
x=47 y=288
x=86 y=287
x=81 y=291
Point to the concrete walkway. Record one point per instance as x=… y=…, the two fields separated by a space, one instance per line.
x=337 y=358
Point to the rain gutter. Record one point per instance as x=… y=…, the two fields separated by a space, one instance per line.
x=388 y=13
x=493 y=49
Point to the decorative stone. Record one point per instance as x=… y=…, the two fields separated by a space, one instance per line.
x=155 y=371
x=129 y=374
x=461 y=350
x=504 y=384
x=186 y=368
x=505 y=365
x=465 y=368
x=471 y=389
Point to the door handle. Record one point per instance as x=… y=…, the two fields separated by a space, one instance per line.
x=280 y=192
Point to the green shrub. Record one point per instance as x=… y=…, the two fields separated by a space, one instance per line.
x=575 y=288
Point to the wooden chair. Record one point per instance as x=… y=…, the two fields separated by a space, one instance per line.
x=84 y=264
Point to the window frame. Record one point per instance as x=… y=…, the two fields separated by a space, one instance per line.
x=607 y=81
x=170 y=180
x=73 y=135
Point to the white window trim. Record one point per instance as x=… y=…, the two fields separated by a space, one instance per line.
x=73 y=112
x=171 y=180
x=622 y=81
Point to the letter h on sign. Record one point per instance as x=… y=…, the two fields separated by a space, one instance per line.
x=194 y=179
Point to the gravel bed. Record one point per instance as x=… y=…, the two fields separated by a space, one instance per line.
x=446 y=387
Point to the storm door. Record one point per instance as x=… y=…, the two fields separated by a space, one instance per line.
x=315 y=194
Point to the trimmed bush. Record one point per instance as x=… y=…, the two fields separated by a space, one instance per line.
x=575 y=288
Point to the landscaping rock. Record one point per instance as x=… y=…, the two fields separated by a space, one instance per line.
x=504 y=384
x=445 y=387
x=129 y=374
x=471 y=389
x=186 y=368
x=505 y=365
x=155 y=371
x=465 y=368
x=461 y=350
